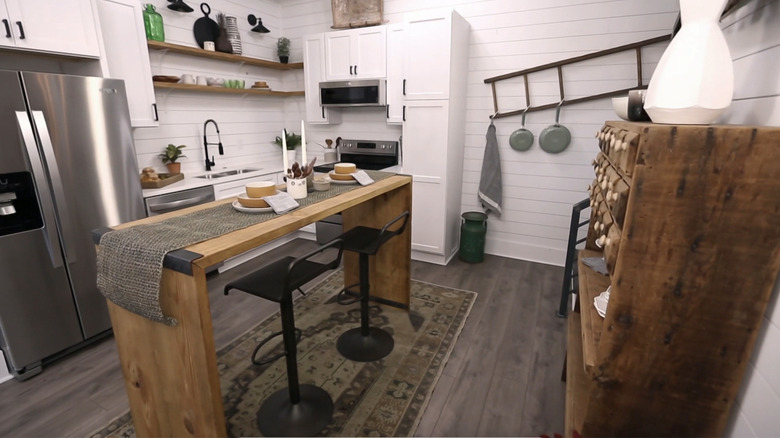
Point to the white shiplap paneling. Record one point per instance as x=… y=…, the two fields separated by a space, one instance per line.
x=753 y=37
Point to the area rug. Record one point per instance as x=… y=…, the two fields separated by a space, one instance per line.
x=381 y=398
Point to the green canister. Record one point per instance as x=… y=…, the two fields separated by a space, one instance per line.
x=473 y=229
x=153 y=23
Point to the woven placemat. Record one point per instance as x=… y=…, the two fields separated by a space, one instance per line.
x=130 y=261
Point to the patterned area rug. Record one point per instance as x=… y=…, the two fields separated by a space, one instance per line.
x=382 y=398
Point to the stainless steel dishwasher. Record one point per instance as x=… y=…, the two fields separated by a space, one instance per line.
x=177 y=200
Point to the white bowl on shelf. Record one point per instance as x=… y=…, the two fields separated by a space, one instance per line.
x=620 y=105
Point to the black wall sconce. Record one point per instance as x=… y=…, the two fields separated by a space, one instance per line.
x=179 y=6
x=258 y=22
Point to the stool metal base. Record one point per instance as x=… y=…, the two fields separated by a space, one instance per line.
x=279 y=417
x=354 y=346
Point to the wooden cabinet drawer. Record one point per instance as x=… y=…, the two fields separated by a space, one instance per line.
x=620 y=146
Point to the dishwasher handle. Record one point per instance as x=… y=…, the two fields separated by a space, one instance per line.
x=176 y=205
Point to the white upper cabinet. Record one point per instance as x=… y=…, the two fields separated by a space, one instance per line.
x=427 y=65
x=127 y=56
x=313 y=73
x=62 y=26
x=356 y=53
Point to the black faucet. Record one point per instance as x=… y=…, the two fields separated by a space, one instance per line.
x=210 y=162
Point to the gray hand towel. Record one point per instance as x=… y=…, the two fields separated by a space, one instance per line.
x=490 y=180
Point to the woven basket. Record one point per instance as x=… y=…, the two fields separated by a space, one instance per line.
x=356 y=13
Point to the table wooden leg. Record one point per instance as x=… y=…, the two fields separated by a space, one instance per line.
x=170 y=373
x=390 y=268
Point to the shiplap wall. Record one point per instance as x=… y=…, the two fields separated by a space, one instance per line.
x=248 y=124
x=753 y=37
x=508 y=35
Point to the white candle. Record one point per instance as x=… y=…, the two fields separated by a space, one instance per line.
x=284 y=152
x=303 y=144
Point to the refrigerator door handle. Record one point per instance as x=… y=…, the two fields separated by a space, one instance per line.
x=45 y=199
x=56 y=183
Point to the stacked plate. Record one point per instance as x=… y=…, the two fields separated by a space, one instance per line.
x=231 y=26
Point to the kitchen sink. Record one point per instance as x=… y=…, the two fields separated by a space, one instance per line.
x=225 y=173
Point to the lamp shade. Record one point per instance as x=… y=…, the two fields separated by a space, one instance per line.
x=257 y=23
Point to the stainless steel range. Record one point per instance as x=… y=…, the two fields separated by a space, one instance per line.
x=366 y=154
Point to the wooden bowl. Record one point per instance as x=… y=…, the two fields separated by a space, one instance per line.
x=344 y=168
x=339 y=177
x=246 y=201
x=259 y=189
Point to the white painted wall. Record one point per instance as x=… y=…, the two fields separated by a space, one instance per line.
x=753 y=37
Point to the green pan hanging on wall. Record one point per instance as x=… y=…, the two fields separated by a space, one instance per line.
x=555 y=138
x=522 y=139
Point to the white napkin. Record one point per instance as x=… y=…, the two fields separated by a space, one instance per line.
x=363 y=178
x=281 y=202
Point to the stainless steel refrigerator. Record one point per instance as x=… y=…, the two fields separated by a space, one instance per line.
x=67 y=166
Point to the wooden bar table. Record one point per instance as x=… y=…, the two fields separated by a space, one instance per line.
x=170 y=372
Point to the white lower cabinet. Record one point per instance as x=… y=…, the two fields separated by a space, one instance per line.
x=433 y=156
x=127 y=57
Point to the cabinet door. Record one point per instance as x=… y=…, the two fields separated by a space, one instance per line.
x=127 y=56
x=395 y=73
x=313 y=72
x=355 y=54
x=425 y=137
x=338 y=64
x=427 y=63
x=62 y=26
x=369 y=52
x=425 y=158
x=6 y=29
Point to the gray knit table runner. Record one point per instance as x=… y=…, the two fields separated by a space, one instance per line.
x=130 y=261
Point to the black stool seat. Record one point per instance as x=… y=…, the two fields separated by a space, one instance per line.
x=365 y=343
x=269 y=282
x=298 y=410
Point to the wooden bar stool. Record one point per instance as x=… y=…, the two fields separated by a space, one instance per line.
x=365 y=343
x=298 y=410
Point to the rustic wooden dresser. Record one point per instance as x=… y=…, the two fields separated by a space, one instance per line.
x=687 y=218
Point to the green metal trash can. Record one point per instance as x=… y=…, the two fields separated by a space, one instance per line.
x=473 y=228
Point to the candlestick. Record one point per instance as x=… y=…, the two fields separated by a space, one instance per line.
x=303 y=144
x=284 y=152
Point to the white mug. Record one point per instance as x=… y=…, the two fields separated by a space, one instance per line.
x=208 y=45
x=187 y=79
x=201 y=80
x=296 y=187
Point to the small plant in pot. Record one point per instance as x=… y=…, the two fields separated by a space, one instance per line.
x=283 y=49
x=170 y=157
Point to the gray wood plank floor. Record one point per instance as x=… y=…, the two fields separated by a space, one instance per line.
x=502 y=379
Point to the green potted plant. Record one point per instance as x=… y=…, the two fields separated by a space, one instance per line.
x=293 y=140
x=283 y=49
x=170 y=157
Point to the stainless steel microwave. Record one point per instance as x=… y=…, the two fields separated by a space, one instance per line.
x=366 y=92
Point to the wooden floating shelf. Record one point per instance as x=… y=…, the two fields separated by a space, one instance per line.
x=225 y=90
x=229 y=57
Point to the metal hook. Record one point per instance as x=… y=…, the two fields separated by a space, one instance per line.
x=522 y=123
x=494 y=115
x=558 y=110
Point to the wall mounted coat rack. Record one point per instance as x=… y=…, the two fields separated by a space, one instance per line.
x=637 y=46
